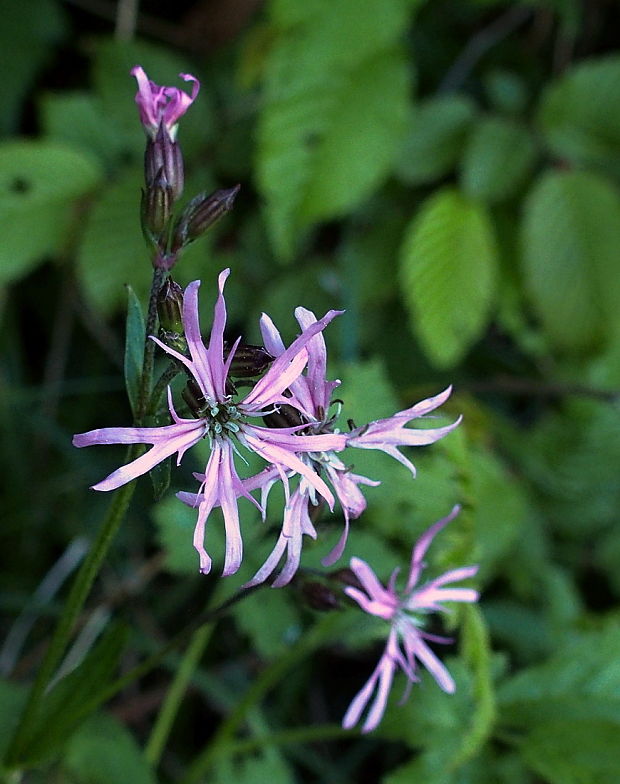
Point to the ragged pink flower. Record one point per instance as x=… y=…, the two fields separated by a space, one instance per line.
x=226 y=424
x=162 y=105
x=388 y=434
x=310 y=397
x=405 y=612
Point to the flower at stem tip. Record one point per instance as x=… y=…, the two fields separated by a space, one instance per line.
x=162 y=105
x=405 y=611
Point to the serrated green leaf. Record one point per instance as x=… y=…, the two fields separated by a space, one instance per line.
x=565 y=752
x=39 y=182
x=135 y=335
x=435 y=142
x=448 y=269
x=571 y=246
x=579 y=114
x=29 y=31
x=366 y=125
x=102 y=751
x=499 y=155
x=325 y=75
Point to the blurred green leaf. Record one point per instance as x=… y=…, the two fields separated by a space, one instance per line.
x=566 y=752
x=580 y=682
x=29 y=32
x=175 y=527
x=102 y=751
x=334 y=109
x=112 y=251
x=571 y=246
x=435 y=142
x=39 y=183
x=135 y=335
x=270 y=617
x=255 y=770
x=448 y=270
x=579 y=114
x=499 y=155
x=506 y=91
x=78 y=119
x=60 y=712
x=12 y=700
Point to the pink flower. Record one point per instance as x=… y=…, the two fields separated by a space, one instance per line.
x=225 y=423
x=310 y=394
x=162 y=105
x=388 y=434
x=405 y=612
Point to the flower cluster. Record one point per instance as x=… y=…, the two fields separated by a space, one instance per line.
x=306 y=448
x=287 y=417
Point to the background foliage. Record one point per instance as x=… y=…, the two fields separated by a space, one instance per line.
x=449 y=173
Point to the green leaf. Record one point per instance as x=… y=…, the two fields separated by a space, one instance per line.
x=112 y=251
x=39 y=183
x=102 y=751
x=448 y=269
x=435 y=142
x=349 y=164
x=78 y=119
x=60 y=711
x=506 y=91
x=175 y=527
x=580 y=683
x=564 y=752
x=499 y=155
x=12 y=699
x=270 y=617
x=334 y=109
x=160 y=474
x=571 y=246
x=579 y=114
x=135 y=335
x=254 y=770
x=29 y=32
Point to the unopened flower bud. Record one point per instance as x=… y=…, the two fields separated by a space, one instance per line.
x=200 y=214
x=163 y=157
x=170 y=307
x=285 y=416
x=248 y=361
x=194 y=398
x=346 y=576
x=319 y=597
x=156 y=211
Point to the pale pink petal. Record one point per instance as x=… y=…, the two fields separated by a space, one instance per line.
x=174 y=438
x=269 y=385
x=201 y=365
x=371 y=584
x=422 y=545
x=272 y=452
x=416 y=647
